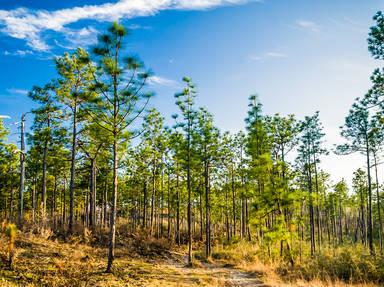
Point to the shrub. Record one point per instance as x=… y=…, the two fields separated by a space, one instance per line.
x=151 y=247
x=347 y=264
x=10 y=232
x=236 y=253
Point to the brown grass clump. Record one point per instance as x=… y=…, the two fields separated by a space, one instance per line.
x=351 y=265
x=150 y=247
x=238 y=253
x=343 y=266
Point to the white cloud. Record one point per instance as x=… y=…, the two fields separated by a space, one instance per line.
x=29 y=25
x=21 y=53
x=137 y=27
x=268 y=55
x=17 y=91
x=276 y=55
x=86 y=36
x=156 y=80
x=307 y=25
x=4 y=117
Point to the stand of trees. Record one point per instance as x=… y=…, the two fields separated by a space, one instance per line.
x=97 y=154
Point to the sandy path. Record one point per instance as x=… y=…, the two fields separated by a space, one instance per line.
x=239 y=278
x=230 y=276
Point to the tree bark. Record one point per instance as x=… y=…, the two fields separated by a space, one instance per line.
x=370 y=228
x=44 y=183
x=378 y=208
x=207 y=211
x=72 y=171
x=92 y=193
x=112 y=231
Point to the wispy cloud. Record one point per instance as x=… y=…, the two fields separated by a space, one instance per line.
x=307 y=25
x=83 y=37
x=4 y=117
x=137 y=27
x=268 y=55
x=276 y=55
x=30 y=25
x=17 y=91
x=161 y=81
x=21 y=53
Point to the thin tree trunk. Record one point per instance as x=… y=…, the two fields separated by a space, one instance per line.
x=144 y=224
x=318 y=221
x=153 y=198
x=370 y=228
x=207 y=211
x=340 y=221
x=11 y=202
x=92 y=193
x=54 y=203
x=73 y=162
x=105 y=202
x=233 y=200
x=201 y=213
x=363 y=225
x=189 y=188
x=379 y=208
x=169 y=205
x=178 y=206
x=34 y=199
x=112 y=231
x=44 y=183
x=22 y=174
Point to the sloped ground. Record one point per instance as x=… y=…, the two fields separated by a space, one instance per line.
x=41 y=262
x=138 y=262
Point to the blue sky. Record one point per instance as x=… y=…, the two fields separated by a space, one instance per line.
x=299 y=56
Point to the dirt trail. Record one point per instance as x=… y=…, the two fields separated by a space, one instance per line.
x=229 y=276
x=243 y=279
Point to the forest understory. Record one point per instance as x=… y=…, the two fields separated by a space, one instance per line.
x=44 y=258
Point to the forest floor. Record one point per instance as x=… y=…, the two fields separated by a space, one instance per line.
x=44 y=262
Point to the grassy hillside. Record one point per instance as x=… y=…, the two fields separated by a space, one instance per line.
x=42 y=258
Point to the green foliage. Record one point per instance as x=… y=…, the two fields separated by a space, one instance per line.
x=10 y=232
x=376 y=37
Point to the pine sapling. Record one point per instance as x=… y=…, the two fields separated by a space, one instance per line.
x=10 y=233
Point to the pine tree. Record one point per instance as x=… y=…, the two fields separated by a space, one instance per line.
x=207 y=141
x=121 y=98
x=185 y=102
x=260 y=163
x=358 y=131
x=75 y=74
x=47 y=131
x=93 y=142
x=153 y=137
x=309 y=152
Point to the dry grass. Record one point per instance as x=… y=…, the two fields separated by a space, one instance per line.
x=334 y=267
x=42 y=260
